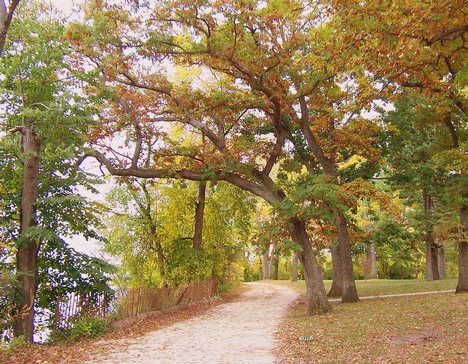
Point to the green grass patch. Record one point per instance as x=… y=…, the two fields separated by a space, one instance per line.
x=384 y=286
x=412 y=329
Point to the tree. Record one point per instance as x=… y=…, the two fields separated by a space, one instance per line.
x=410 y=148
x=40 y=165
x=426 y=55
x=259 y=80
x=131 y=238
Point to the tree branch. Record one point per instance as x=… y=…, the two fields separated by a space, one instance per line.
x=5 y=20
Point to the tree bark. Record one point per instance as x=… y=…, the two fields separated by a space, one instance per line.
x=349 y=286
x=275 y=267
x=441 y=261
x=317 y=302
x=330 y=169
x=271 y=259
x=336 y=289
x=266 y=264
x=432 y=271
x=294 y=267
x=199 y=213
x=26 y=257
x=462 y=285
x=371 y=263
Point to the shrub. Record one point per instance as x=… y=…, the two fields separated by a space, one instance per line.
x=89 y=327
x=15 y=343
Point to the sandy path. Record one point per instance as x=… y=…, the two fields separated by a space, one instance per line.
x=237 y=332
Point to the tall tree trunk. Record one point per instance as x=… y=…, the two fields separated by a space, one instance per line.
x=432 y=271
x=271 y=259
x=199 y=213
x=26 y=257
x=294 y=266
x=441 y=261
x=349 y=286
x=462 y=285
x=336 y=289
x=370 y=271
x=275 y=267
x=317 y=302
x=260 y=270
x=266 y=264
x=330 y=169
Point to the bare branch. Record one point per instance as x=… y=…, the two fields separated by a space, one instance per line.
x=452 y=32
x=311 y=140
x=5 y=20
x=275 y=154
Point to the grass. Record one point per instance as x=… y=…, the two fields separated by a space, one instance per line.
x=411 y=329
x=385 y=286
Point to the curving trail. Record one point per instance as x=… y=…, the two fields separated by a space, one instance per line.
x=236 y=332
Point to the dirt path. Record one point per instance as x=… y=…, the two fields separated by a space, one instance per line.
x=237 y=332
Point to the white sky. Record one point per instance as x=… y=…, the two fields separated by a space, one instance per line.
x=90 y=247
x=65 y=5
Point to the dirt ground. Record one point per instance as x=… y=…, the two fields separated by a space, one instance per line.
x=237 y=332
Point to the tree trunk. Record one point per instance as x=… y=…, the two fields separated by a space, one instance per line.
x=199 y=213
x=275 y=267
x=462 y=285
x=26 y=257
x=265 y=262
x=271 y=261
x=432 y=271
x=317 y=302
x=349 y=286
x=336 y=289
x=260 y=270
x=370 y=271
x=294 y=266
x=441 y=261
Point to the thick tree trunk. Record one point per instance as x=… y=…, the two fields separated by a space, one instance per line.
x=432 y=271
x=294 y=267
x=349 y=286
x=432 y=266
x=462 y=285
x=317 y=302
x=330 y=169
x=199 y=213
x=441 y=261
x=336 y=289
x=370 y=271
x=26 y=257
x=266 y=264
x=275 y=267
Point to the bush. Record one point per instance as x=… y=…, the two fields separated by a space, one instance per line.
x=15 y=343
x=227 y=286
x=89 y=327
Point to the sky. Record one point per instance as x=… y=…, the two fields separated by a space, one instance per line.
x=79 y=243
x=65 y=5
